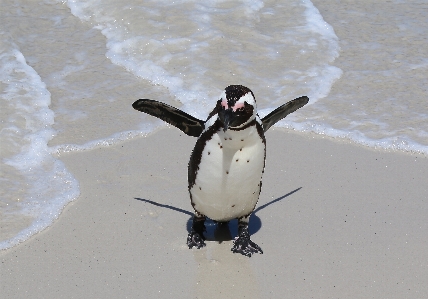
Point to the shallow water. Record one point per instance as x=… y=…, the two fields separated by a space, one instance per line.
x=71 y=70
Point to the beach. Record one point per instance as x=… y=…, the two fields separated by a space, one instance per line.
x=335 y=219
x=338 y=220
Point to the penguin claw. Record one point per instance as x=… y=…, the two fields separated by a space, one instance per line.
x=195 y=239
x=245 y=247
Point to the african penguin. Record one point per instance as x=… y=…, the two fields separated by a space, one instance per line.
x=227 y=163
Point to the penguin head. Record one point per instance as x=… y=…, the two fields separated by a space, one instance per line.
x=236 y=107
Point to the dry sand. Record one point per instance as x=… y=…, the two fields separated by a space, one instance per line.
x=334 y=220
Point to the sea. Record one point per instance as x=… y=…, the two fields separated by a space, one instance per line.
x=70 y=70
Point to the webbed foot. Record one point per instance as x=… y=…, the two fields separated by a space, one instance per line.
x=245 y=247
x=243 y=244
x=196 y=237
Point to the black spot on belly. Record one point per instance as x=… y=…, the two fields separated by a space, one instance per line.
x=209 y=153
x=221 y=146
x=237 y=160
x=233 y=206
x=248 y=161
x=230 y=138
x=240 y=150
x=242 y=139
x=227 y=172
x=200 y=188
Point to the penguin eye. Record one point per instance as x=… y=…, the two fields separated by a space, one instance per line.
x=248 y=108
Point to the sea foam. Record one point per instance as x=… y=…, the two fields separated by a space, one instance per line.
x=26 y=132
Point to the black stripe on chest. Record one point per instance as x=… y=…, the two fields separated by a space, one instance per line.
x=196 y=156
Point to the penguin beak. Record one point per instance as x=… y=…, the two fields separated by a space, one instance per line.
x=226 y=117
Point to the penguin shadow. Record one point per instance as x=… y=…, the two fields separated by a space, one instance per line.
x=222 y=231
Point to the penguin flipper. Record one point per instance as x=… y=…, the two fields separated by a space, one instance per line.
x=179 y=119
x=282 y=111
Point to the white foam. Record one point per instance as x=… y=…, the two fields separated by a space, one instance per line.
x=316 y=23
x=396 y=143
x=105 y=142
x=48 y=185
x=326 y=73
x=152 y=56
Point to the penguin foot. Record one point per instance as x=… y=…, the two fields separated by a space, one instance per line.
x=196 y=236
x=245 y=246
x=195 y=239
x=242 y=244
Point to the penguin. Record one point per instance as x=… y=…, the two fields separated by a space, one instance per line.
x=227 y=163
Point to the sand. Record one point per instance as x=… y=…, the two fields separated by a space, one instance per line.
x=334 y=219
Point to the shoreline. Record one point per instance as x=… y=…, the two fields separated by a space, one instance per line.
x=309 y=135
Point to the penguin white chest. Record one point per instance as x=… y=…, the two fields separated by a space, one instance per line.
x=228 y=180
